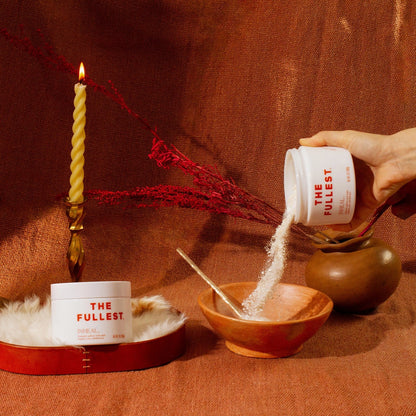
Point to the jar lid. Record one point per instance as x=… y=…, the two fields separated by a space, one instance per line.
x=83 y=290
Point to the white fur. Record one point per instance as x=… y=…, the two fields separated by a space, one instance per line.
x=28 y=322
x=156 y=322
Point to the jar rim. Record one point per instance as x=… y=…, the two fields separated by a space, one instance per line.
x=84 y=290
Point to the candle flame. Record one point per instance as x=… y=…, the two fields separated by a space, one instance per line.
x=81 y=76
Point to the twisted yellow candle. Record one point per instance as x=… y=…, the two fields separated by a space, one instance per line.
x=78 y=147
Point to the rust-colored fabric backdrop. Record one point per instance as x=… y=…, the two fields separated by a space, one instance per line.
x=231 y=84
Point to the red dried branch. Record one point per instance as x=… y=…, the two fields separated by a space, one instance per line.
x=44 y=53
x=169 y=196
x=208 y=178
x=214 y=193
x=47 y=56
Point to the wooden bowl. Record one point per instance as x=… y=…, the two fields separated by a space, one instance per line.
x=294 y=315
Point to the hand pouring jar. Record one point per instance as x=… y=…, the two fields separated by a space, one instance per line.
x=87 y=313
x=319 y=185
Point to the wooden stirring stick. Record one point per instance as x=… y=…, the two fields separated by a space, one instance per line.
x=237 y=311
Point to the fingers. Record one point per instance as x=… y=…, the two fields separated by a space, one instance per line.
x=373 y=149
x=328 y=138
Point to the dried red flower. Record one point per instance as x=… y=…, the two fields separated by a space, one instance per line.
x=213 y=193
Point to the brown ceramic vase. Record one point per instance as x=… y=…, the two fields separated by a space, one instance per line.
x=358 y=273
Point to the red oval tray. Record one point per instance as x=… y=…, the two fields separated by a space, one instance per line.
x=92 y=358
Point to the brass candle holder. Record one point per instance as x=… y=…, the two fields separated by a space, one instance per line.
x=75 y=254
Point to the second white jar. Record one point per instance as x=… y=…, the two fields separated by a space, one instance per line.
x=319 y=185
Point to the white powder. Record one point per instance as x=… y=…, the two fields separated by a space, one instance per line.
x=275 y=264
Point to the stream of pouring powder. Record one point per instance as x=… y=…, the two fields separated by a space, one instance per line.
x=275 y=264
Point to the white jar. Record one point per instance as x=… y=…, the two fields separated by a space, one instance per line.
x=319 y=185
x=86 y=313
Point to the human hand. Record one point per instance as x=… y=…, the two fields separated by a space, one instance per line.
x=383 y=165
